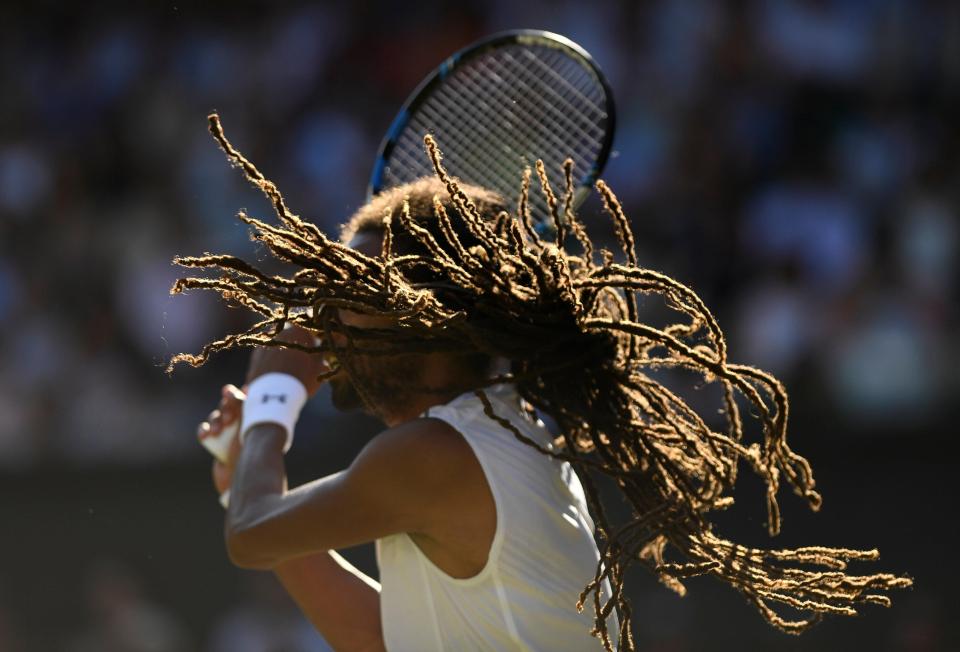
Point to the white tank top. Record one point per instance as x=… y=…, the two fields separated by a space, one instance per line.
x=543 y=552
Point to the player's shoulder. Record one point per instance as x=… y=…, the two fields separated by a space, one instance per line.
x=422 y=441
x=424 y=462
x=418 y=438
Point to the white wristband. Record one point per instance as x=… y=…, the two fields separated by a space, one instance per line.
x=274 y=398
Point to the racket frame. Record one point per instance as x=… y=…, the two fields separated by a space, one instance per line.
x=521 y=37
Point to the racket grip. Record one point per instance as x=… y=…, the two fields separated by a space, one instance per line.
x=219 y=446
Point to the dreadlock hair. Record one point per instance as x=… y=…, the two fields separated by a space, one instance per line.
x=421 y=234
x=485 y=281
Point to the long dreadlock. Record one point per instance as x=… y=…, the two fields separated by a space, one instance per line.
x=579 y=353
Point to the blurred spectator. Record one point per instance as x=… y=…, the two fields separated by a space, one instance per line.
x=882 y=367
x=777 y=326
x=10 y=291
x=123 y=619
x=264 y=620
x=927 y=238
x=25 y=180
x=827 y=39
x=681 y=37
x=330 y=158
x=813 y=226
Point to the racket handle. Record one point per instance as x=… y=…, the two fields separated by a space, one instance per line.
x=219 y=446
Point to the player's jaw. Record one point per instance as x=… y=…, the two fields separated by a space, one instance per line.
x=344 y=394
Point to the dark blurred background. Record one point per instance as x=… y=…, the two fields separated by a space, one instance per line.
x=795 y=161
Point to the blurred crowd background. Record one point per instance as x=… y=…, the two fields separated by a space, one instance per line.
x=796 y=161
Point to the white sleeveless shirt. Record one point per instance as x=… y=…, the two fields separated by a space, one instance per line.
x=543 y=552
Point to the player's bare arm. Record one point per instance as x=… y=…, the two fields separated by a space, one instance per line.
x=408 y=479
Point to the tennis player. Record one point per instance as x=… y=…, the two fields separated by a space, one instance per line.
x=483 y=543
x=438 y=311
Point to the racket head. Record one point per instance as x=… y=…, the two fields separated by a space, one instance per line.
x=497 y=106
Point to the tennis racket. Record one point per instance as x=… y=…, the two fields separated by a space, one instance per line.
x=496 y=107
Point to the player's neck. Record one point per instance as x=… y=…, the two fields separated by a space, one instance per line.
x=441 y=384
x=416 y=407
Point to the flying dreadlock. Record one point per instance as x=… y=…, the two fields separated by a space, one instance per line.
x=579 y=353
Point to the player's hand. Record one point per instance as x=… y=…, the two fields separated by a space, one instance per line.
x=305 y=367
x=227 y=414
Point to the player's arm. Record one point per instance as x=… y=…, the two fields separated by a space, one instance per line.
x=400 y=482
x=339 y=600
x=408 y=478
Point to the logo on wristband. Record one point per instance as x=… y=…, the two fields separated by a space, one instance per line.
x=280 y=398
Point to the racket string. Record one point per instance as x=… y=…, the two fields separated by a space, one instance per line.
x=545 y=125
